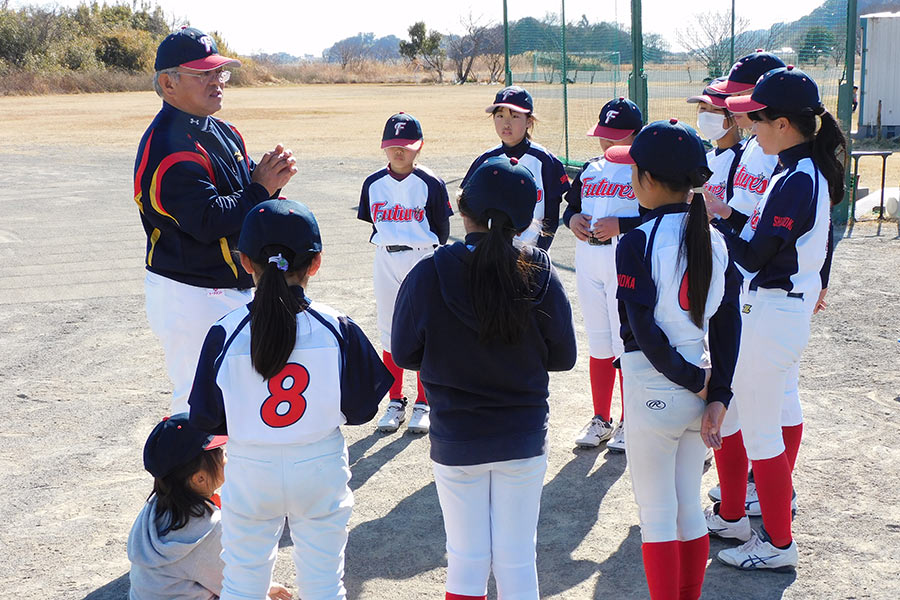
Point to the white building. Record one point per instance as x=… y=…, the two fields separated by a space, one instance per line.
x=880 y=77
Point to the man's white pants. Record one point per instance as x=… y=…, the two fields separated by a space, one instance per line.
x=490 y=516
x=180 y=315
x=307 y=483
x=665 y=452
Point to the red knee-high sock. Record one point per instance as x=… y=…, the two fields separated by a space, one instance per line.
x=603 y=378
x=792 y=436
x=731 y=464
x=693 y=555
x=661 y=565
x=774 y=487
x=621 y=394
x=397 y=372
x=452 y=596
x=420 y=391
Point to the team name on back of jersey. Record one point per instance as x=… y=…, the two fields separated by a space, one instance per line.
x=396 y=213
x=752 y=183
x=605 y=189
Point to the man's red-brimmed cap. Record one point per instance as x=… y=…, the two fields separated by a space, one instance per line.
x=192 y=49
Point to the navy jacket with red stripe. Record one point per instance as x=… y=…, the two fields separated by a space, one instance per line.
x=192 y=185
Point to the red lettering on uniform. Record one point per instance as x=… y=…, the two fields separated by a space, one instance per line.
x=683 y=299
x=564 y=178
x=786 y=222
x=396 y=214
x=540 y=196
x=605 y=189
x=626 y=281
x=754 y=220
x=717 y=190
x=755 y=184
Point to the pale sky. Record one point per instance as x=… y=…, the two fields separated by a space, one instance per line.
x=304 y=27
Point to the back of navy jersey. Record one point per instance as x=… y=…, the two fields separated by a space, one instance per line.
x=653 y=273
x=752 y=177
x=797 y=211
x=407 y=212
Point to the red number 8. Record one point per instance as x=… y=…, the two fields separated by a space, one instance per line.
x=292 y=395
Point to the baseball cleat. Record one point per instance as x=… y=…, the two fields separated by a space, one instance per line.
x=751 y=504
x=759 y=553
x=727 y=530
x=393 y=416
x=420 y=420
x=594 y=433
x=617 y=443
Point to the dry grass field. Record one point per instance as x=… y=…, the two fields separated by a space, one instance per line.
x=82 y=379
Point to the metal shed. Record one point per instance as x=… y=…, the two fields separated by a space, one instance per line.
x=880 y=76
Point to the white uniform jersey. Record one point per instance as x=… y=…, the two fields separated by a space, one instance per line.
x=407 y=212
x=751 y=179
x=722 y=164
x=606 y=190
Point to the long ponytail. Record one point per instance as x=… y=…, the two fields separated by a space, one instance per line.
x=499 y=277
x=273 y=320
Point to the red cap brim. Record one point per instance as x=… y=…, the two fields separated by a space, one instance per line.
x=731 y=87
x=213 y=61
x=620 y=155
x=216 y=441
x=514 y=107
x=743 y=104
x=408 y=144
x=711 y=100
x=608 y=133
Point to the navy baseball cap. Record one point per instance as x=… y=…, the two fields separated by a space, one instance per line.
x=618 y=119
x=787 y=90
x=502 y=185
x=747 y=71
x=279 y=222
x=402 y=130
x=174 y=442
x=192 y=49
x=710 y=95
x=514 y=98
x=666 y=148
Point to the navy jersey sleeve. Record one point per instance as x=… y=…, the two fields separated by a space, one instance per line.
x=554 y=315
x=438 y=209
x=627 y=224
x=788 y=209
x=635 y=282
x=364 y=378
x=573 y=198
x=725 y=339
x=736 y=220
x=556 y=184
x=363 y=212
x=205 y=400
x=407 y=337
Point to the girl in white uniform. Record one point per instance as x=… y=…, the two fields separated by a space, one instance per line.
x=674 y=292
x=280 y=376
x=601 y=207
x=409 y=210
x=781 y=250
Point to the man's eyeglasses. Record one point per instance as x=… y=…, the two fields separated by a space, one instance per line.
x=210 y=76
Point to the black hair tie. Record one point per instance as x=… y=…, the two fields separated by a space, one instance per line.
x=819 y=110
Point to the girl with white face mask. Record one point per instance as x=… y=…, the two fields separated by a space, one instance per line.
x=718 y=125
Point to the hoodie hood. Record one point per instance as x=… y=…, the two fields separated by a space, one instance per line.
x=452 y=265
x=147 y=548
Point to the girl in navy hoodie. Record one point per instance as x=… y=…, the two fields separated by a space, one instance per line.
x=484 y=321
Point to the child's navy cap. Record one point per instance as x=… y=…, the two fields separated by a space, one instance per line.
x=745 y=72
x=502 y=185
x=174 y=442
x=279 y=223
x=514 y=98
x=618 y=119
x=786 y=90
x=402 y=130
x=667 y=148
x=192 y=49
x=710 y=95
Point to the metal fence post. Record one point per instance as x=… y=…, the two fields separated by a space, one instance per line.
x=565 y=80
x=841 y=212
x=637 y=80
x=507 y=71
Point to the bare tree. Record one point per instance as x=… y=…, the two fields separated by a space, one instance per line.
x=350 y=52
x=463 y=50
x=494 y=52
x=709 y=39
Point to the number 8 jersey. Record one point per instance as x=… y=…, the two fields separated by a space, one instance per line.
x=332 y=377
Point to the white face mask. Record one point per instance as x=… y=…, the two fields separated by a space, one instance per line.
x=711 y=125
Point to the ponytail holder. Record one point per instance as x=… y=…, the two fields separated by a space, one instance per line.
x=489 y=223
x=279 y=261
x=819 y=110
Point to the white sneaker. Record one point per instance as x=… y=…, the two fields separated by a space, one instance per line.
x=393 y=416
x=617 y=443
x=594 y=433
x=420 y=420
x=759 y=553
x=751 y=504
x=719 y=527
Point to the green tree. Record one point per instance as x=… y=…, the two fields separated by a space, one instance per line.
x=817 y=43
x=427 y=46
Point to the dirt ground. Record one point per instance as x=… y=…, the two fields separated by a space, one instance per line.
x=82 y=379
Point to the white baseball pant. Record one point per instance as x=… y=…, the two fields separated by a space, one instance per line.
x=180 y=315
x=490 y=516
x=308 y=484
x=388 y=272
x=665 y=452
x=596 y=279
